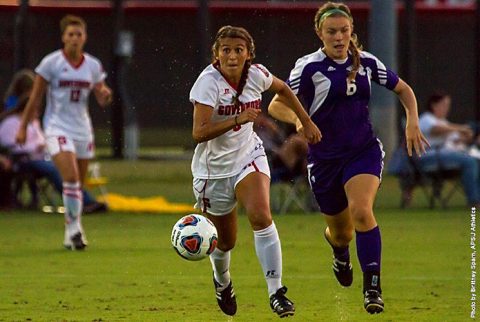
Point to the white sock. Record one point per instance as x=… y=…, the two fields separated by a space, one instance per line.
x=221 y=266
x=73 y=202
x=269 y=253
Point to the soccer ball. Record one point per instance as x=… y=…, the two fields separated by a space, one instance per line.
x=194 y=237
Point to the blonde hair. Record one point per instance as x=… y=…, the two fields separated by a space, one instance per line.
x=331 y=9
x=71 y=20
x=235 y=32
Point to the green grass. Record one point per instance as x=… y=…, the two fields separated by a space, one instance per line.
x=151 y=137
x=130 y=273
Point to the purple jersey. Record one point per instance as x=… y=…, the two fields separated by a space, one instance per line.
x=339 y=111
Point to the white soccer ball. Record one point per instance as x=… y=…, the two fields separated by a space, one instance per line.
x=194 y=237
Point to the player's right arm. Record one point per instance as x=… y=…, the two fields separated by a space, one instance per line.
x=32 y=107
x=204 y=129
x=280 y=110
x=279 y=107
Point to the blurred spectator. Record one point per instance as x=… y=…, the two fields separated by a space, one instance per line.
x=21 y=84
x=287 y=154
x=450 y=145
x=31 y=157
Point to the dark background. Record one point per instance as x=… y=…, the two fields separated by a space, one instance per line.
x=166 y=60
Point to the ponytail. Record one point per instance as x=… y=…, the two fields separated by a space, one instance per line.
x=355 y=49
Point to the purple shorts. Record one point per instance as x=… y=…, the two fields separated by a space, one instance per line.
x=327 y=178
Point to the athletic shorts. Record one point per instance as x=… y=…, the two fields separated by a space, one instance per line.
x=217 y=196
x=327 y=178
x=62 y=143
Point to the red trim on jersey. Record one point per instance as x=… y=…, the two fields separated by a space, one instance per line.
x=217 y=67
x=61 y=141
x=255 y=166
x=75 y=196
x=205 y=201
x=75 y=66
x=262 y=70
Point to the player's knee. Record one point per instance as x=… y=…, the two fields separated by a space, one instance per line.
x=259 y=218
x=343 y=237
x=226 y=245
x=361 y=213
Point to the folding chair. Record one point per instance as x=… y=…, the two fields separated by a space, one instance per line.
x=433 y=182
x=41 y=193
x=288 y=193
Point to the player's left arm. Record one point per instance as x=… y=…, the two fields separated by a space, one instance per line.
x=287 y=101
x=103 y=94
x=413 y=135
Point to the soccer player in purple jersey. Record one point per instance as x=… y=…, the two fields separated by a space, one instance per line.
x=345 y=167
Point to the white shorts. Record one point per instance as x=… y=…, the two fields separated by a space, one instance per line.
x=217 y=196
x=62 y=143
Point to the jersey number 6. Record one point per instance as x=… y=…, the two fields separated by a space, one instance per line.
x=351 y=88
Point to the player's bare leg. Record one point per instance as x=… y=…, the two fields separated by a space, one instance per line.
x=338 y=234
x=66 y=164
x=253 y=192
x=220 y=258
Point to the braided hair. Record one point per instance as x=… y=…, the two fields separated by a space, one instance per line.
x=235 y=32
x=354 y=46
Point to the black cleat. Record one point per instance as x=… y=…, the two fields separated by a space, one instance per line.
x=76 y=242
x=280 y=304
x=343 y=272
x=226 y=298
x=373 y=302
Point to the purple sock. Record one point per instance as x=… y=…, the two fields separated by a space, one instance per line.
x=369 y=249
x=341 y=253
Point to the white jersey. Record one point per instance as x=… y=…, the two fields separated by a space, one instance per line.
x=225 y=155
x=68 y=91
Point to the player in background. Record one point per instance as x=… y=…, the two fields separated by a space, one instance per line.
x=230 y=164
x=68 y=75
x=345 y=167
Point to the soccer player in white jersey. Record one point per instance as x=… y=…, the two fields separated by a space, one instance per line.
x=345 y=168
x=68 y=75
x=229 y=162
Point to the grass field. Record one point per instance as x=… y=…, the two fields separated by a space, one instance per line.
x=130 y=273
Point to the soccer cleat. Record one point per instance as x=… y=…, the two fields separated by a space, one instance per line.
x=225 y=298
x=75 y=242
x=342 y=269
x=373 y=302
x=343 y=272
x=280 y=304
